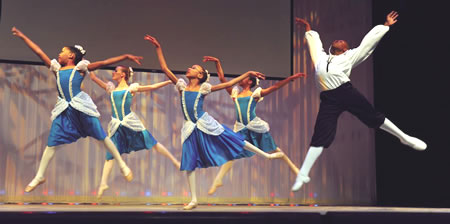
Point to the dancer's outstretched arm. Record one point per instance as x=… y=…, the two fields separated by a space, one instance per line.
x=313 y=39
x=97 y=80
x=162 y=60
x=34 y=47
x=153 y=86
x=236 y=80
x=370 y=41
x=219 y=71
x=280 y=84
x=98 y=64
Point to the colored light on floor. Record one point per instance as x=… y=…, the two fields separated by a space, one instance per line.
x=148 y=193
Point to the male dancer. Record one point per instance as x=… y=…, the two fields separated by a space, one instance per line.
x=338 y=94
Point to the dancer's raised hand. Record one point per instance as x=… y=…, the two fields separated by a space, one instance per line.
x=300 y=21
x=210 y=58
x=135 y=58
x=258 y=75
x=16 y=32
x=152 y=40
x=391 y=18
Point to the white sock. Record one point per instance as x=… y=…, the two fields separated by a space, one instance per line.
x=412 y=142
x=47 y=156
x=311 y=157
x=390 y=127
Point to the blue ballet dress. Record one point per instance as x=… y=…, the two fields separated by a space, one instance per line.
x=129 y=134
x=255 y=130
x=206 y=142
x=75 y=115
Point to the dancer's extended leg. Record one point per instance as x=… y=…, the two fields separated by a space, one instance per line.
x=310 y=159
x=47 y=156
x=412 y=142
x=218 y=180
x=123 y=166
x=248 y=146
x=107 y=167
x=163 y=150
x=286 y=159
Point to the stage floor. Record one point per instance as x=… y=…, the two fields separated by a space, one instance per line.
x=64 y=213
x=214 y=208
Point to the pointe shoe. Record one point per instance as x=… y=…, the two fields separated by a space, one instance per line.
x=101 y=190
x=276 y=155
x=128 y=175
x=299 y=181
x=30 y=188
x=190 y=206
x=213 y=188
x=414 y=143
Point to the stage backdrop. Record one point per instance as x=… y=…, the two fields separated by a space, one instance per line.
x=343 y=175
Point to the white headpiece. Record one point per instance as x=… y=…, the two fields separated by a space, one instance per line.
x=257 y=81
x=79 y=47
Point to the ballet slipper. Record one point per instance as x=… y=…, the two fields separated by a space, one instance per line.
x=101 y=190
x=214 y=187
x=414 y=143
x=30 y=188
x=190 y=206
x=299 y=181
x=126 y=172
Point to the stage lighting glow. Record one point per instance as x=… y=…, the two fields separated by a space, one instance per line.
x=148 y=193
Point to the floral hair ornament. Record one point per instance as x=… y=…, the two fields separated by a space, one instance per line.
x=80 y=48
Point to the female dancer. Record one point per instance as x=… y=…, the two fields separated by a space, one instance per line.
x=253 y=128
x=75 y=114
x=125 y=129
x=205 y=141
x=338 y=94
